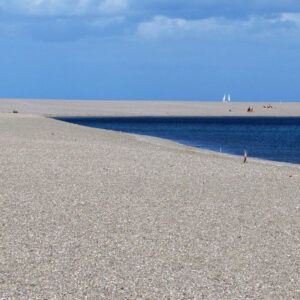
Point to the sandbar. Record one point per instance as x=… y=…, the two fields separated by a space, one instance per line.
x=147 y=108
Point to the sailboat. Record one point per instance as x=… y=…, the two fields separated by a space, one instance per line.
x=228 y=98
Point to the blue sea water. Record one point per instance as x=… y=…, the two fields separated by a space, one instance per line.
x=271 y=138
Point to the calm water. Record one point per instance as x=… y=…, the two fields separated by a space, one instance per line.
x=263 y=137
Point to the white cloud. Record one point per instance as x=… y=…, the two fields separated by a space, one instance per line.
x=165 y=27
x=34 y=6
x=119 y=17
x=112 y=6
x=64 y=7
x=162 y=26
x=293 y=18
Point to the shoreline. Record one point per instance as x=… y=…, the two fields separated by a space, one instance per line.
x=208 y=152
x=188 y=144
x=162 y=116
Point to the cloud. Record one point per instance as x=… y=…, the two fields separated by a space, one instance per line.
x=63 y=7
x=54 y=29
x=74 y=19
x=293 y=18
x=201 y=9
x=191 y=9
x=62 y=20
x=162 y=27
x=219 y=27
x=112 y=6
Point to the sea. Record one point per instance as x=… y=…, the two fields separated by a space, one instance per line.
x=269 y=138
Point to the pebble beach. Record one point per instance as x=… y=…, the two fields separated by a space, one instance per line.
x=95 y=214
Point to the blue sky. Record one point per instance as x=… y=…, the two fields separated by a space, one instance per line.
x=155 y=49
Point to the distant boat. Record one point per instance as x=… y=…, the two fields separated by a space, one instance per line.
x=228 y=98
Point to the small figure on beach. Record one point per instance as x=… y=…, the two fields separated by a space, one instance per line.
x=250 y=109
x=270 y=106
x=245 y=156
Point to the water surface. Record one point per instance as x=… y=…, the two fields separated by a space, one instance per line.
x=271 y=138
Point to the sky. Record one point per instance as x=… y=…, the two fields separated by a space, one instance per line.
x=193 y=50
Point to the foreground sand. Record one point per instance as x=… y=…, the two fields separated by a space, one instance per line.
x=98 y=214
x=146 y=108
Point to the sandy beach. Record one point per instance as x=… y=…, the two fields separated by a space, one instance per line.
x=146 y=108
x=94 y=214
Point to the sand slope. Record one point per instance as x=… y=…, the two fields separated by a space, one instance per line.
x=99 y=214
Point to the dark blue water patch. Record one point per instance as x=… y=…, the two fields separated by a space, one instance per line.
x=271 y=138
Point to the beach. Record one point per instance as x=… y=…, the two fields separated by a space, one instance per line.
x=146 y=108
x=95 y=214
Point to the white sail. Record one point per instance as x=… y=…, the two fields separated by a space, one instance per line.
x=224 y=98
x=228 y=97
